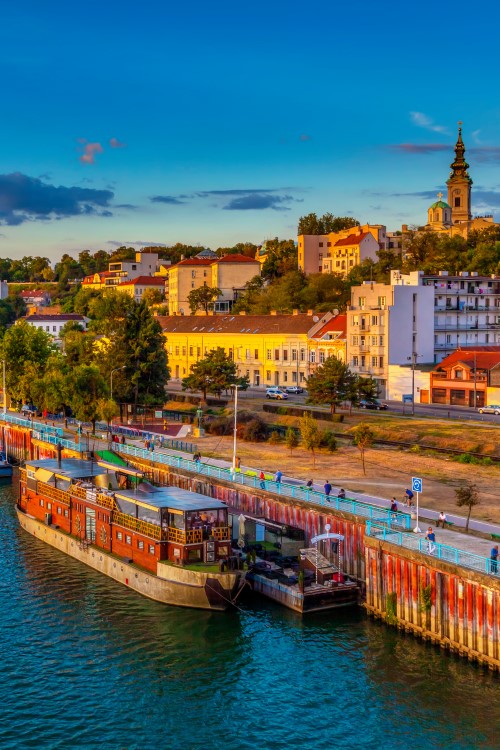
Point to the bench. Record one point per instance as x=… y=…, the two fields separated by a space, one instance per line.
x=495 y=537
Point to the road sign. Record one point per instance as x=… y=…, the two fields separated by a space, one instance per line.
x=416 y=484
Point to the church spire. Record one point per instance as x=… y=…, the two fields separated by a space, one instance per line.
x=459 y=166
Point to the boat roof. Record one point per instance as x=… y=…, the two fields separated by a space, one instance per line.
x=68 y=468
x=169 y=497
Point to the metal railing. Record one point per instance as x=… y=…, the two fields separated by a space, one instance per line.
x=32 y=424
x=433 y=549
x=250 y=479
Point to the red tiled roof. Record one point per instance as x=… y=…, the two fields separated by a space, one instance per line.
x=484 y=358
x=34 y=293
x=353 y=239
x=338 y=324
x=144 y=281
x=256 y=324
x=194 y=262
x=54 y=318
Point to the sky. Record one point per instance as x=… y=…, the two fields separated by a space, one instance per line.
x=160 y=122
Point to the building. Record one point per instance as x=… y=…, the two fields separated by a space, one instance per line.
x=339 y=252
x=269 y=349
x=230 y=274
x=328 y=341
x=466 y=308
x=145 y=264
x=36 y=297
x=454 y=217
x=390 y=325
x=54 y=323
x=137 y=287
x=468 y=377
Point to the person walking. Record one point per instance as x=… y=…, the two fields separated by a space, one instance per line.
x=494 y=559
x=262 y=478
x=441 y=519
x=277 y=477
x=327 y=488
x=431 y=540
x=409 y=495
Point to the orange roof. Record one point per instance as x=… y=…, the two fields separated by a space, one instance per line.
x=483 y=357
x=144 y=281
x=227 y=323
x=353 y=239
x=338 y=324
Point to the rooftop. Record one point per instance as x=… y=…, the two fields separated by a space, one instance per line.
x=474 y=357
x=352 y=239
x=144 y=280
x=278 y=324
x=338 y=325
x=54 y=318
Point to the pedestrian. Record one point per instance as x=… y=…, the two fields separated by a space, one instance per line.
x=309 y=484
x=237 y=462
x=394 y=505
x=262 y=478
x=409 y=495
x=327 y=488
x=494 y=558
x=277 y=477
x=123 y=439
x=431 y=540
x=441 y=520
x=341 y=495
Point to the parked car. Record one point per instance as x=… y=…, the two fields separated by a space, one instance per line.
x=372 y=404
x=294 y=389
x=491 y=409
x=276 y=393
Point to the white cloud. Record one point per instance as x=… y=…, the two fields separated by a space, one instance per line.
x=423 y=121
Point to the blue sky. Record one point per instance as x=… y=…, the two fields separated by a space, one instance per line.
x=156 y=122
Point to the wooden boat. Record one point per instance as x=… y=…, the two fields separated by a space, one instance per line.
x=163 y=542
x=5 y=466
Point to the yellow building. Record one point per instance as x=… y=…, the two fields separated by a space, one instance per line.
x=137 y=287
x=229 y=274
x=269 y=349
x=340 y=252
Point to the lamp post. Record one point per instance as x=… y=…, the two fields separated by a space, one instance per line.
x=413 y=358
x=235 y=427
x=111 y=378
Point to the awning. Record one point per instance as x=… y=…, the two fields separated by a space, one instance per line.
x=120 y=469
x=44 y=475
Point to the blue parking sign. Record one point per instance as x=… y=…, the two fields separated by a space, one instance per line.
x=416 y=484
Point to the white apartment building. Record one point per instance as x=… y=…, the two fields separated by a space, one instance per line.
x=145 y=264
x=53 y=324
x=466 y=308
x=390 y=325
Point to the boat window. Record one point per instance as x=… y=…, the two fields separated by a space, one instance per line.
x=148 y=514
x=176 y=521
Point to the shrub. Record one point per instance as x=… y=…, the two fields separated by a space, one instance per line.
x=328 y=441
x=415 y=449
x=254 y=431
x=274 y=438
x=467 y=458
x=487 y=461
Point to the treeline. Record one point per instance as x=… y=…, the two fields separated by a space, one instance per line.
x=124 y=341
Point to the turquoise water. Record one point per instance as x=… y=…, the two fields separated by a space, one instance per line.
x=88 y=664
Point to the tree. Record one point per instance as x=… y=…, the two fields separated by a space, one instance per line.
x=153 y=297
x=467 y=495
x=330 y=384
x=203 y=298
x=25 y=348
x=310 y=433
x=108 y=408
x=291 y=439
x=327 y=223
x=50 y=391
x=215 y=373
x=281 y=257
x=86 y=388
x=363 y=438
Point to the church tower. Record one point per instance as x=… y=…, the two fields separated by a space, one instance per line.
x=459 y=184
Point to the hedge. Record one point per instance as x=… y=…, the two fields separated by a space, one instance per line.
x=296 y=411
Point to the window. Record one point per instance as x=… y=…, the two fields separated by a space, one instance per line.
x=247 y=353
x=457 y=202
x=363 y=360
x=294 y=355
x=193 y=274
x=269 y=354
x=276 y=354
x=294 y=377
x=382 y=301
x=176 y=351
x=256 y=354
x=54 y=328
x=190 y=351
x=320 y=245
x=355 y=340
x=285 y=377
x=58 y=511
x=151 y=549
x=459 y=374
x=374 y=361
x=380 y=361
x=42 y=502
x=66 y=513
x=381 y=341
x=198 y=351
x=119 y=536
x=321 y=357
x=285 y=355
x=268 y=374
x=140 y=544
x=183 y=351
x=374 y=320
x=128 y=539
x=313 y=356
x=328 y=244
x=302 y=355
x=204 y=274
x=374 y=341
x=355 y=361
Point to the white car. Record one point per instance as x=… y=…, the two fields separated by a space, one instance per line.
x=491 y=409
x=276 y=393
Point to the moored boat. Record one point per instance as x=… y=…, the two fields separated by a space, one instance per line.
x=164 y=542
x=5 y=466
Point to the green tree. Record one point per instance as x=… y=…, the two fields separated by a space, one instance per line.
x=25 y=348
x=282 y=257
x=108 y=408
x=327 y=223
x=86 y=388
x=467 y=496
x=291 y=439
x=215 y=373
x=203 y=298
x=153 y=297
x=363 y=439
x=310 y=434
x=330 y=384
x=50 y=391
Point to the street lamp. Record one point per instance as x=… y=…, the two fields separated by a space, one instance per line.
x=413 y=358
x=235 y=427
x=111 y=384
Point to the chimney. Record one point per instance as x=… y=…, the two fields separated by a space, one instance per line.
x=273 y=312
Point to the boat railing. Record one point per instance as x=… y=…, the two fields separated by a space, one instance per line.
x=135 y=524
x=104 y=500
x=181 y=536
x=433 y=549
x=54 y=493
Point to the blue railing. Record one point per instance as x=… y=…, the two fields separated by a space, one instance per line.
x=32 y=424
x=401 y=520
x=438 y=551
x=56 y=440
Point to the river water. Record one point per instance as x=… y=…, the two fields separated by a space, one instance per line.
x=86 y=663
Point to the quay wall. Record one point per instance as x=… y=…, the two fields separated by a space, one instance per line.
x=449 y=605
